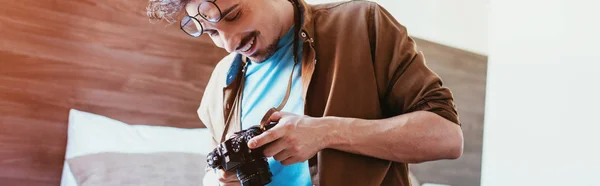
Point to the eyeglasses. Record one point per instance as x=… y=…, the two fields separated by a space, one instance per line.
x=208 y=10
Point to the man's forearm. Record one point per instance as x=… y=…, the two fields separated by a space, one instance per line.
x=410 y=138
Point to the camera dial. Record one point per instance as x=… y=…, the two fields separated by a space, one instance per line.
x=235 y=145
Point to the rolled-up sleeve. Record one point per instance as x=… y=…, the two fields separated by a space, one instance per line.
x=409 y=84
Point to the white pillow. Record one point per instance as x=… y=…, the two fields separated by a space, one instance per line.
x=91 y=133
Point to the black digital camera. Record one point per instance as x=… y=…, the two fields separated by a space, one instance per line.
x=251 y=166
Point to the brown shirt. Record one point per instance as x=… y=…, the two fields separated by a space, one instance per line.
x=359 y=62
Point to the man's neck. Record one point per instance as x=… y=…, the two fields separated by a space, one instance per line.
x=287 y=18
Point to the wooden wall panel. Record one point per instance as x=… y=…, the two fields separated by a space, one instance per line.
x=98 y=56
x=465 y=74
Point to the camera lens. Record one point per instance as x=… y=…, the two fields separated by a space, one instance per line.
x=254 y=173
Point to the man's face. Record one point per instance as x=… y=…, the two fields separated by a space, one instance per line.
x=249 y=27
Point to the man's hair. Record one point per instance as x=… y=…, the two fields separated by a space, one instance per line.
x=166 y=10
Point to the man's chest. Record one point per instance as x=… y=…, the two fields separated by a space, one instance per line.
x=265 y=87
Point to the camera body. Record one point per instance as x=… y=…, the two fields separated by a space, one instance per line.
x=251 y=165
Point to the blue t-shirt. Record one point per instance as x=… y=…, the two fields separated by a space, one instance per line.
x=265 y=87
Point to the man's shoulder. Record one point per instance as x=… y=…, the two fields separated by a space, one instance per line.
x=349 y=8
x=360 y=15
x=212 y=90
x=220 y=71
x=223 y=65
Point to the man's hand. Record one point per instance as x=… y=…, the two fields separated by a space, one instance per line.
x=294 y=139
x=227 y=178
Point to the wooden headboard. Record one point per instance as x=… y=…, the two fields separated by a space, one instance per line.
x=103 y=57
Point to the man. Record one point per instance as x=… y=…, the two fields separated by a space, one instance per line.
x=362 y=103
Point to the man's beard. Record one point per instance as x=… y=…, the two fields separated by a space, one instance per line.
x=263 y=55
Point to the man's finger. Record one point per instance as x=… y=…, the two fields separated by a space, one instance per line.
x=276 y=116
x=222 y=173
x=274 y=148
x=289 y=161
x=266 y=137
x=225 y=176
x=283 y=155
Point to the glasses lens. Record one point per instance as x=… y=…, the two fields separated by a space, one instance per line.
x=191 y=26
x=209 y=11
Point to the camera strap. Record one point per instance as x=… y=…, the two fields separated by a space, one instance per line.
x=238 y=99
x=265 y=120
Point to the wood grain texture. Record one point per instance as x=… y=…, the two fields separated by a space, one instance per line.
x=465 y=74
x=103 y=57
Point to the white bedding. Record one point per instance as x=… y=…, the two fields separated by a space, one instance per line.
x=91 y=133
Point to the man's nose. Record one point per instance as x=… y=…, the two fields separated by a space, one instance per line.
x=230 y=42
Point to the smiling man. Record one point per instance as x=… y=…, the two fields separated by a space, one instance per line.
x=359 y=102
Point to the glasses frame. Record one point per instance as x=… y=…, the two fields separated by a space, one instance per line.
x=191 y=18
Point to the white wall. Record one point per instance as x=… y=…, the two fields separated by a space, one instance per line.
x=458 y=23
x=543 y=100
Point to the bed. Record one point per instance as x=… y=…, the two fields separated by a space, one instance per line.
x=104 y=151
